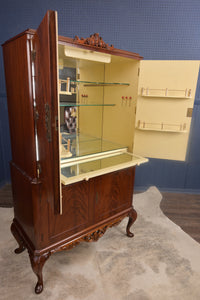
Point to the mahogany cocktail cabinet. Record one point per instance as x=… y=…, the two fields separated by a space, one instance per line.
x=74 y=134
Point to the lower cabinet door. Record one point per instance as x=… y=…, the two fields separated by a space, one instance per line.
x=75 y=216
x=112 y=193
x=86 y=203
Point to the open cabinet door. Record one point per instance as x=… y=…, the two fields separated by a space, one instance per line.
x=45 y=43
x=164 y=108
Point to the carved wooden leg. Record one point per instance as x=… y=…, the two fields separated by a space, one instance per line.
x=37 y=263
x=19 y=240
x=132 y=217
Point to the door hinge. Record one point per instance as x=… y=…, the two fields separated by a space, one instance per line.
x=39 y=169
x=33 y=55
x=138 y=71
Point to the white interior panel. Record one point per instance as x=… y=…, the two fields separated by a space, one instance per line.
x=166 y=91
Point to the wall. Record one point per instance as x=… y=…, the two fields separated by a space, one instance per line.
x=156 y=29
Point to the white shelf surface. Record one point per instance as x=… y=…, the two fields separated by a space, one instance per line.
x=84 y=170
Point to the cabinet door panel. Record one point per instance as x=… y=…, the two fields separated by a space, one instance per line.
x=46 y=98
x=75 y=215
x=164 y=105
x=113 y=193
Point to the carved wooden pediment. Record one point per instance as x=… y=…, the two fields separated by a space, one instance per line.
x=94 y=40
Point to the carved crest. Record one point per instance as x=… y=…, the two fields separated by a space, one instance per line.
x=94 y=40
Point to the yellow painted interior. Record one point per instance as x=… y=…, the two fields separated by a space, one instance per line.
x=162 y=120
x=105 y=123
x=111 y=123
x=90 y=117
x=118 y=122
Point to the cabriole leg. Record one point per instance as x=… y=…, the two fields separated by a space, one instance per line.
x=37 y=263
x=19 y=240
x=132 y=217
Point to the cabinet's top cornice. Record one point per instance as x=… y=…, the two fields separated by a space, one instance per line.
x=76 y=42
x=26 y=32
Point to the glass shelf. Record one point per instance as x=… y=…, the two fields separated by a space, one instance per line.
x=66 y=93
x=84 y=104
x=91 y=83
x=83 y=145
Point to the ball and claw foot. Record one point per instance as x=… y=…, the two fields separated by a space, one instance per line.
x=132 y=217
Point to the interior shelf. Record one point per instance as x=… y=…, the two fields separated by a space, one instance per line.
x=66 y=93
x=71 y=84
x=83 y=170
x=92 y=83
x=84 y=104
x=88 y=146
x=162 y=127
x=166 y=93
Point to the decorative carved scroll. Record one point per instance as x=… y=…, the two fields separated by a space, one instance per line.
x=94 y=236
x=66 y=246
x=94 y=40
x=90 y=237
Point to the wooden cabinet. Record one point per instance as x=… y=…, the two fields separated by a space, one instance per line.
x=72 y=139
x=72 y=107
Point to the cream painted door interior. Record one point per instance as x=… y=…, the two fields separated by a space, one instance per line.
x=164 y=108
